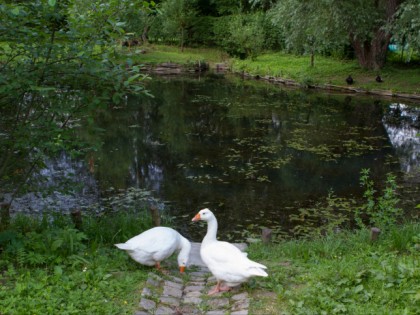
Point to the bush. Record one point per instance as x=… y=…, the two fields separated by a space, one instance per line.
x=241 y=35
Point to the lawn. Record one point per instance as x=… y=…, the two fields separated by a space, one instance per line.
x=346 y=273
x=49 y=267
x=397 y=77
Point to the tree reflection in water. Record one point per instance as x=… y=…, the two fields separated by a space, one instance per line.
x=402 y=124
x=252 y=152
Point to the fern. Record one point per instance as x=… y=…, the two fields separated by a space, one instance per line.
x=21 y=256
x=35 y=259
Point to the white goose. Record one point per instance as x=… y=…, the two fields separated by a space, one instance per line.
x=152 y=246
x=225 y=261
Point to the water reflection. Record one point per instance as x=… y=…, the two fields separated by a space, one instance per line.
x=402 y=124
x=81 y=189
x=252 y=153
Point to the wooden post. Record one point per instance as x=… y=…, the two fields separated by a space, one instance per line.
x=4 y=215
x=76 y=217
x=154 y=211
x=266 y=235
x=374 y=234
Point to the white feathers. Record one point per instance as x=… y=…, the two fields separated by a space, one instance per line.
x=152 y=246
x=226 y=262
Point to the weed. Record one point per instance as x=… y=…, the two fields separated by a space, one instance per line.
x=381 y=211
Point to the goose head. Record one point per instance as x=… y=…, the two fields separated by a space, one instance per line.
x=184 y=254
x=204 y=215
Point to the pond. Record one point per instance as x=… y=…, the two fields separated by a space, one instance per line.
x=252 y=152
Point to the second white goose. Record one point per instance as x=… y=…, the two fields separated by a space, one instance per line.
x=226 y=262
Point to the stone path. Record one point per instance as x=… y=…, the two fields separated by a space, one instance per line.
x=175 y=294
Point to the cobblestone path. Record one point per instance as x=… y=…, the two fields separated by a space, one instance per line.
x=170 y=294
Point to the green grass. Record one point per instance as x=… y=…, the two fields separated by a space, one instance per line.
x=341 y=274
x=49 y=267
x=103 y=282
x=397 y=77
x=158 y=54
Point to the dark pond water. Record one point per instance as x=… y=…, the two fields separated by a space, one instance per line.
x=252 y=152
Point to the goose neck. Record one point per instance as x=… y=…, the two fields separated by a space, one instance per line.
x=185 y=246
x=211 y=231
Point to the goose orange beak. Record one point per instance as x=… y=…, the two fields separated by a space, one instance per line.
x=196 y=218
x=181 y=269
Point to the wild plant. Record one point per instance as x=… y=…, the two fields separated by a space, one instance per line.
x=48 y=247
x=379 y=211
x=324 y=218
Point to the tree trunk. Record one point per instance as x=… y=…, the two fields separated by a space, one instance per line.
x=371 y=54
x=312 y=57
x=182 y=40
x=144 y=35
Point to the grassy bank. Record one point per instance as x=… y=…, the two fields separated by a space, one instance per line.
x=397 y=77
x=345 y=273
x=49 y=267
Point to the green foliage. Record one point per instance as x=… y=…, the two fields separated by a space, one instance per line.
x=57 y=65
x=49 y=267
x=343 y=273
x=308 y=26
x=330 y=25
x=160 y=53
x=381 y=211
x=178 y=17
x=406 y=28
x=324 y=218
x=94 y=286
x=241 y=35
x=114 y=228
x=336 y=213
x=48 y=247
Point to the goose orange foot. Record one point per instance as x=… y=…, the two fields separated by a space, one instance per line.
x=219 y=288
x=162 y=270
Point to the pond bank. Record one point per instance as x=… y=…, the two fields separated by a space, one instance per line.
x=342 y=271
x=398 y=80
x=171 y=68
x=332 y=87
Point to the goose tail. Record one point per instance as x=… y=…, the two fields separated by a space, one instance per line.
x=124 y=246
x=259 y=272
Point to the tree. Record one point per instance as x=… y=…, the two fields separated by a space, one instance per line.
x=306 y=26
x=406 y=27
x=241 y=35
x=365 y=23
x=56 y=65
x=320 y=23
x=179 y=16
